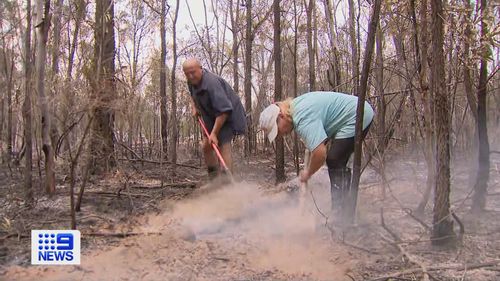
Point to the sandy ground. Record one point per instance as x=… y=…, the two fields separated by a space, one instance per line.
x=235 y=232
x=245 y=232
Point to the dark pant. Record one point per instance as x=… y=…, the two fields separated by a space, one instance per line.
x=225 y=134
x=340 y=150
x=343 y=198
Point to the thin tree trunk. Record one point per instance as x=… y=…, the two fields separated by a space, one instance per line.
x=9 y=113
x=163 y=82
x=468 y=65
x=382 y=135
x=102 y=143
x=334 y=74
x=381 y=105
x=295 y=83
x=363 y=87
x=43 y=25
x=483 y=172
x=56 y=51
x=427 y=98
x=442 y=231
x=310 y=44
x=173 y=96
x=81 y=7
x=354 y=47
x=56 y=54
x=68 y=98
x=28 y=154
x=9 y=73
x=280 y=147
x=248 y=77
x=235 y=16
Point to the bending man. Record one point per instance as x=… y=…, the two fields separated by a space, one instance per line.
x=220 y=108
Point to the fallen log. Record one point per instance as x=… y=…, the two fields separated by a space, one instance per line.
x=187 y=184
x=118 y=235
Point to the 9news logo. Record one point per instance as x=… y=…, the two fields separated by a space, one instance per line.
x=55 y=247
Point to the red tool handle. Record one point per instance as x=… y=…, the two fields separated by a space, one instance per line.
x=216 y=148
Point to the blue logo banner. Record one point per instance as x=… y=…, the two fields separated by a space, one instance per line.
x=55 y=247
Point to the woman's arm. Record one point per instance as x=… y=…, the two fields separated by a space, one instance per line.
x=318 y=158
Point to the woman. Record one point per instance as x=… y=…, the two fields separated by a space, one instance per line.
x=319 y=118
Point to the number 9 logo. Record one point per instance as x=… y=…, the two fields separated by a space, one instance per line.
x=65 y=241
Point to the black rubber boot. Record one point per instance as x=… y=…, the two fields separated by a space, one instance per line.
x=340 y=182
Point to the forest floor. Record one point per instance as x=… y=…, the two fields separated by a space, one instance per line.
x=133 y=227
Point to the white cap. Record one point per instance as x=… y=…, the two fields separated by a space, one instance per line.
x=267 y=121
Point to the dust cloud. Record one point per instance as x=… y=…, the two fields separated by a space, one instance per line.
x=284 y=236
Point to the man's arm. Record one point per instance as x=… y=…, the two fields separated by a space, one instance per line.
x=219 y=122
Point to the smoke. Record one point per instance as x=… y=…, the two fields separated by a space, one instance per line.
x=285 y=237
x=244 y=208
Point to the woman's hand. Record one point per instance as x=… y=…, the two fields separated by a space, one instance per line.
x=304 y=175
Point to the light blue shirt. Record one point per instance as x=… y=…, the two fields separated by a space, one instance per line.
x=318 y=116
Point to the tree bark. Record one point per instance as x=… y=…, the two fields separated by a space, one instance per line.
x=363 y=86
x=235 y=16
x=467 y=63
x=334 y=73
x=483 y=172
x=381 y=105
x=173 y=96
x=68 y=98
x=427 y=98
x=280 y=147
x=55 y=89
x=9 y=73
x=354 y=47
x=248 y=77
x=42 y=32
x=163 y=81
x=310 y=44
x=295 y=83
x=442 y=232
x=56 y=51
x=102 y=136
x=28 y=154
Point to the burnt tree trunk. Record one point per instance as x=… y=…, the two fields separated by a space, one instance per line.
x=442 y=232
x=310 y=44
x=483 y=172
x=28 y=136
x=363 y=86
x=280 y=147
x=234 y=12
x=173 y=96
x=104 y=91
x=163 y=82
x=248 y=77
x=354 y=47
x=42 y=32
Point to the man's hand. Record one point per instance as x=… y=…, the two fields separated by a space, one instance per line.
x=304 y=175
x=194 y=111
x=219 y=122
x=213 y=139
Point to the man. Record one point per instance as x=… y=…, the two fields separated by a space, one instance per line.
x=220 y=108
x=318 y=118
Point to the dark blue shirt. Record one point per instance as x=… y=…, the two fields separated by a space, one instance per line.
x=214 y=96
